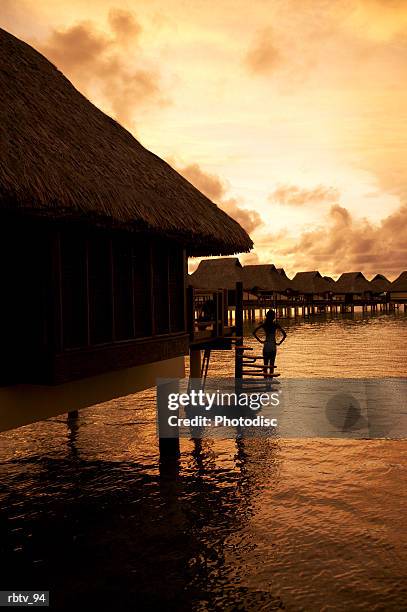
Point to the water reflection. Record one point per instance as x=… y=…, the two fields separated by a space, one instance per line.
x=89 y=512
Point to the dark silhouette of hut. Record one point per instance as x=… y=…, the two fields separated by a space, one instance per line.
x=95 y=231
x=398 y=289
x=352 y=286
x=290 y=290
x=380 y=284
x=220 y=273
x=311 y=286
x=329 y=279
x=264 y=280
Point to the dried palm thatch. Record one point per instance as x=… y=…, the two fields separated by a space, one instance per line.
x=400 y=284
x=311 y=283
x=221 y=273
x=64 y=158
x=282 y=272
x=380 y=284
x=352 y=282
x=264 y=277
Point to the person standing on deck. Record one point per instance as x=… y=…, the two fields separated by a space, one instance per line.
x=270 y=327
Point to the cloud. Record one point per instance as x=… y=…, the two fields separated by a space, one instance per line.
x=249 y=259
x=124 y=25
x=263 y=56
x=209 y=184
x=345 y=245
x=293 y=195
x=109 y=66
x=212 y=186
x=249 y=219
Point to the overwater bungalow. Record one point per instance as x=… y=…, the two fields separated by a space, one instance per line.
x=95 y=234
x=311 y=286
x=398 y=289
x=351 y=287
x=264 y=281
x=380 y=284
x=220 y=273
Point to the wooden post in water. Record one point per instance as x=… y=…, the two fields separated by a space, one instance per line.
x=168 y=436
x=239 y=328
x=195 y=363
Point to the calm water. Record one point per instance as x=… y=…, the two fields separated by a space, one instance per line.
x=261 y=524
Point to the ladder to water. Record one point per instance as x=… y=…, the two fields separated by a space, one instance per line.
x=249 y=368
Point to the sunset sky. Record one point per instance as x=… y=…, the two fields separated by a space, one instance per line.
x=289 y=114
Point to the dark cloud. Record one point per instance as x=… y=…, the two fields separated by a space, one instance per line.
x=293 y=195
x=214 y=189
x=263 y=56
x=111 y=64
x=346 y=245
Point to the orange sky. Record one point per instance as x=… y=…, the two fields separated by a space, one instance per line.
x=291 y=115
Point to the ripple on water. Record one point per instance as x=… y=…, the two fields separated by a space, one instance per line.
x=261 y=523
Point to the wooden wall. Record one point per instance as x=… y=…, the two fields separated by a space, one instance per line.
x=77 y=301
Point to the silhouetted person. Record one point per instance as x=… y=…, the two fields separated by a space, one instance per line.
x=270 y=327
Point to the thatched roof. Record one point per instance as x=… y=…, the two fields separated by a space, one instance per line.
x=221 y=273
x=282 y=273
x=329 y=279
x=352 y=282
x=380 y=283
x=264 y=277
x=311 y=282
x=400 y=284
x=64 y=158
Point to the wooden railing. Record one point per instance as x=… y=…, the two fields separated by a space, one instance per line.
x=207 y=313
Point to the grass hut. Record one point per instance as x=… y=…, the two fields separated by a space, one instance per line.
x=264 y=280
x=380 y=284
x=398 y=289
x=311 y=286
x=95 y=232
x=352 y=286
x=220 y=273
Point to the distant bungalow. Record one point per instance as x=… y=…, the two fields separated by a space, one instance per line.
x=95 y=235
x=220 y=273
x=398 y=289
x=380 y=284
x=352 y=286
x=312 y=286
x=259 y=280
x=264 y=280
